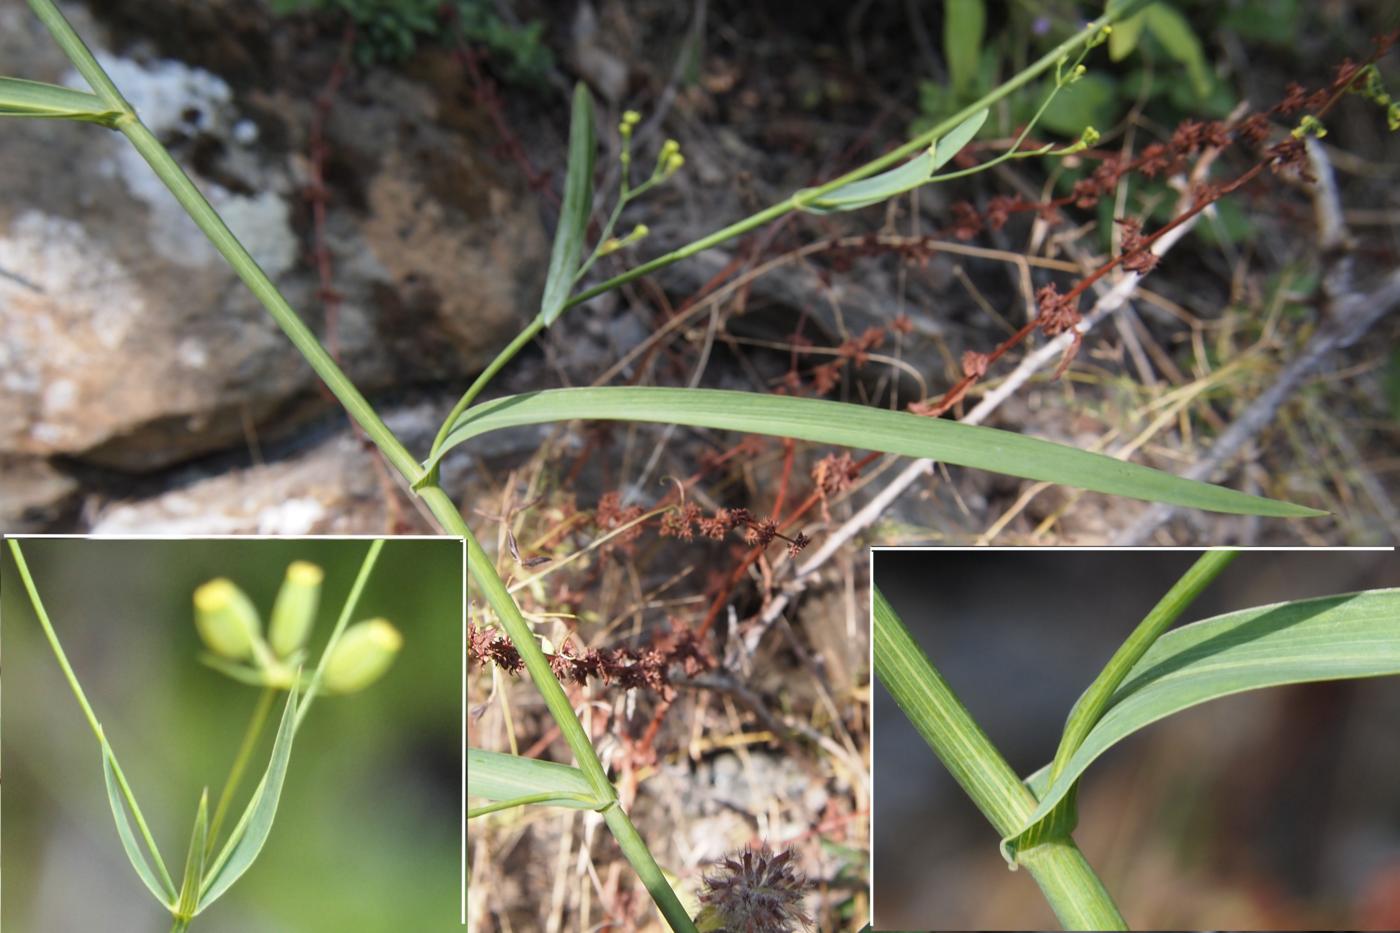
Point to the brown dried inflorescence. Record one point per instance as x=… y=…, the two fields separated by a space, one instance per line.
x=834 y=473
x=757 y=891
x=1192 y=139
x=1058 y=313
x=857 y=349
x=974 y=364
x=611 y=515
x=648 y=668
x=680 y=522
x=1137 y=255
x=757 y=533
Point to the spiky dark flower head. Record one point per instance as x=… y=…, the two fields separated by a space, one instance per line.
x=757 y=891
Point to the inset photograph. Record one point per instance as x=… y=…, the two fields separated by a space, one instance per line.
x=659 y=767
x=1136 y=739
x=231 y=734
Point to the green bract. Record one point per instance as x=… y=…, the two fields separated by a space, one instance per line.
x=20 y=98
x=1331 y=638
x=578 y=203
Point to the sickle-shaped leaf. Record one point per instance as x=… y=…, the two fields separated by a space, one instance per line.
x=917 y=171
x=253 y=827
x=21 y=98
x=1331 y=638
x=578 y=204
x=161 y=889
x=863 y=428
x=514 y=780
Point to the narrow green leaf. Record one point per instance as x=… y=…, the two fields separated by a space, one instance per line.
x=964 y=24
x=917 y=171
x=253 y=827
x=1096 y=700
x=162 y=890
x=862 y=428
x=21 y=98
x=1179 y=39
x=194 y=860
x=1331 y=638
x=875 y=189
x=578 y=204
x=547 y=799
x=516 y=781
x=1124 y=38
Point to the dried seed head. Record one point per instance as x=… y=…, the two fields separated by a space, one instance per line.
x=756 y=891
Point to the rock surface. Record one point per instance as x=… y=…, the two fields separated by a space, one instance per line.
x=126 y=342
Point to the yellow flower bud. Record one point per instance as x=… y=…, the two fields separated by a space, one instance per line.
x=294 y=611
x=226 y=619
x=362 y=655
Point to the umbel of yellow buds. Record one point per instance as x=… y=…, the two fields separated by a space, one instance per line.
x=294 y=611
x=669 y=159
x=613 y=244
x=226 y=619
x=362 y=655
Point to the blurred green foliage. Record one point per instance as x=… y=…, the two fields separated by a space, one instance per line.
x=1158 y=59
x=1149 y=54
x=390 y=31
x=367 y=832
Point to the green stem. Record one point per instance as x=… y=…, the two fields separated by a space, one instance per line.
x=1115 y=12
x=96 y=726
x=247 y=268
x=360 y=410
x=1069 y=884
x=875 y=166
x=1071 y=887
x=489 y=584
x=635 y=848
x=240 y=764
x=79 y=54
x=1094 y=703
x=483 y=571
x=213 y=226
x=487 y=374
